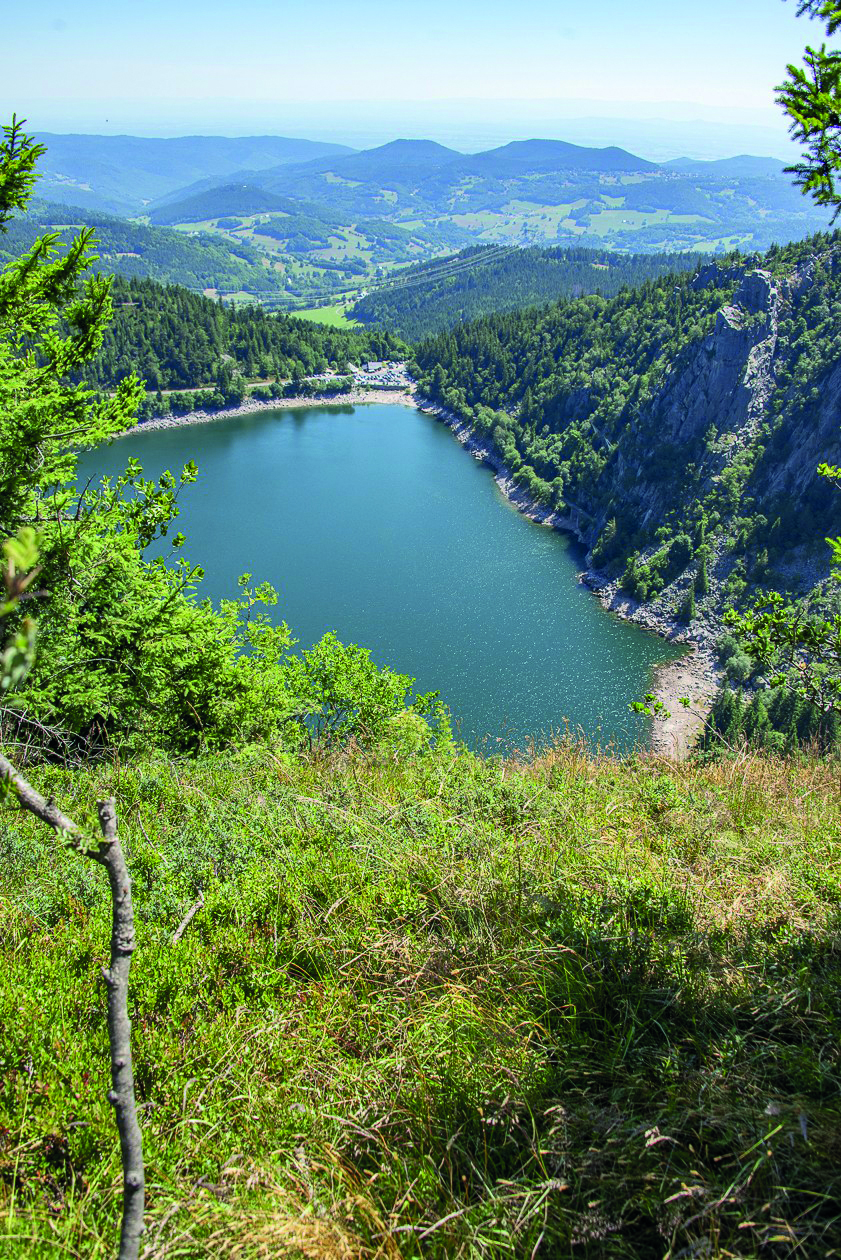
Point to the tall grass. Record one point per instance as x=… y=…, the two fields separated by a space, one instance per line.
x=444 y=1006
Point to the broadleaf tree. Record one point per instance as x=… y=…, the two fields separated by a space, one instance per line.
x=122 y=655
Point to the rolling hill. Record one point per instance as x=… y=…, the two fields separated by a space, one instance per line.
x=201 y=261
x=321 y=253
x=121 y=174
x=231 y=200
x=541 y=192
x=743 y=166
x=538 y=156
x=288 y=254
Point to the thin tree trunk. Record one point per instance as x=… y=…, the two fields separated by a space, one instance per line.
x=121 y=1094
x=109 y=854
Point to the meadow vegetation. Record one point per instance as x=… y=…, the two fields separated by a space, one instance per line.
x=337 y=316
x=435 y=1005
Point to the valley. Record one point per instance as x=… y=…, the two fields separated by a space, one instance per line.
x=295 y=227
x=421 y=660
x=688 y=472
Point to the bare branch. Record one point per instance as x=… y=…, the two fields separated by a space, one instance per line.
x=121 y=1094
x=38 y=805
x=183 y=925
x=108 y=853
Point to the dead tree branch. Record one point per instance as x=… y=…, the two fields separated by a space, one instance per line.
x=108 y=853
x=182 y=926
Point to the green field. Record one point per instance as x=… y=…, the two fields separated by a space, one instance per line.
x=333 y=316
x=608 y=222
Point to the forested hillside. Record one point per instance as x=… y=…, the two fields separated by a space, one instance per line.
x=312 y=250
x=122 y=174
x=677 y=427
x=431 y=297
x=238 y=242
x=175 y=339
x=200 y=261
x=230 y=199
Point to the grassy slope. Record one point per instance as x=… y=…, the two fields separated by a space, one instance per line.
x=332 y=316
x=440 y=1007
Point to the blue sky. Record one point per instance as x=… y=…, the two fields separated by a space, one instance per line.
x=306 y=66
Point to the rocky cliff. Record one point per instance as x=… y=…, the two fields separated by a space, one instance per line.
x=677 y=429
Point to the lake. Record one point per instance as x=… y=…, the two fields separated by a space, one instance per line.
x=373 y=522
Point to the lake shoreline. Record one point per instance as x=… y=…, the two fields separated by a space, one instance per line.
x=694 y=676
x=352 y=398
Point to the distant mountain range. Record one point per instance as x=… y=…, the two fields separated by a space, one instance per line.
x=538 y=192
x=414 y=175
x=312 y=222
x=122 y=174
x=742 y=167
x=125 y=174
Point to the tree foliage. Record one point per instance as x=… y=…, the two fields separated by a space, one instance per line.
x=797 y=647
x=432 y=297
x=811 y=96
x=128 y=656
x=577 y=400
x=176 y=339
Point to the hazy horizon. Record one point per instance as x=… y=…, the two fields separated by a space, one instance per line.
x=660 y=83
x=658 y=139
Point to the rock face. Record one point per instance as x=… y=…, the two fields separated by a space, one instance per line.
x=724 y=425
x=722 y=387
x=712 y=416
x=713 y=475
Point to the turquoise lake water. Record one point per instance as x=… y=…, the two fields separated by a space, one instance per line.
x=373 y=522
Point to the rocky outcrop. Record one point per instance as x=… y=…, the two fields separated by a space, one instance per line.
x=722 y=387
x=700 y=438
x=714 y=402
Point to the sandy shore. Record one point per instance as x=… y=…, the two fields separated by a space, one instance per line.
x=403 y=396
x=695 y=677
